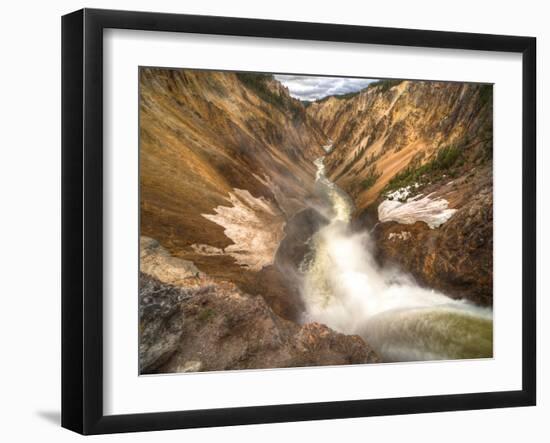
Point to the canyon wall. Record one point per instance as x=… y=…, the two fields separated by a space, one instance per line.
x=430 y=142
x=226 y=160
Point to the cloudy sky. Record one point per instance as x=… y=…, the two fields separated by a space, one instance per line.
x=312 y=88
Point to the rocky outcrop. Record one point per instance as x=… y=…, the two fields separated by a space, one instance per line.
x=296 y=242
x=160 y=320
x=201 y=324
x=157 y=262
x=455 y=257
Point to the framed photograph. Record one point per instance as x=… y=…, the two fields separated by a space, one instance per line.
x=269 y=221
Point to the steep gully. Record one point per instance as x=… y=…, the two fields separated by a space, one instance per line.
x=344 y=288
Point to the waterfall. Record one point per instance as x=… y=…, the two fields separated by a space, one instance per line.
x=344 y=288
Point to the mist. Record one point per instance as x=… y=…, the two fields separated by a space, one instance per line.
x=344 y=288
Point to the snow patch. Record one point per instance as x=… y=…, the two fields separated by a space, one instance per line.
x=254 y=224
x=432 y=212
x=402 y=193
x=403 y=235
x=203 y=249
x=328 y=147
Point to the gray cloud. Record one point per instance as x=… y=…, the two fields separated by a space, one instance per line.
x=312 y=88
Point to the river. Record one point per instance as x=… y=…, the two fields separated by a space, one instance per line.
x=347 y=290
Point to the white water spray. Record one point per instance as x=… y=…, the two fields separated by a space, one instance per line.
x=345 y=289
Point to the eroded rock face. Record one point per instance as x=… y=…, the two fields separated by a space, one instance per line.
x=456 y=257
x=214 y=326
x=378 y=132
x=226 y=161
x=208 y=141
x=296 y=242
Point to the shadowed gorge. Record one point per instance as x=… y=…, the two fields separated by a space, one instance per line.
x=271 y=228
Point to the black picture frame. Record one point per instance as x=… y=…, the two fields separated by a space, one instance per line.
x=82 y=219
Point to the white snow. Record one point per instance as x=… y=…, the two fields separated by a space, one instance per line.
x=402 y=193
x=403 y=235
x=254 y=224
x=203 y=249
x=328 y=147
x=433 y=212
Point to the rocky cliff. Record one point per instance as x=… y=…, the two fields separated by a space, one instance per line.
x=226 y=160
x=383 y=129
x=191 y=322
x=416 y=157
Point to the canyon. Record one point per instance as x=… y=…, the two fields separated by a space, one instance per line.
x=248 y=197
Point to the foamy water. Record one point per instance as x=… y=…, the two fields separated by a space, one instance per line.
x=345 y=289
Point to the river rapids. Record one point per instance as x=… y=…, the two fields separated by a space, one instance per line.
x=347 y=290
